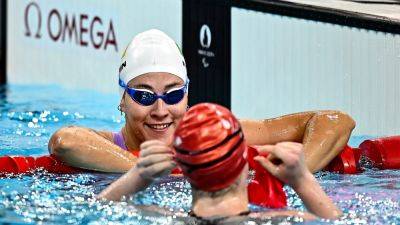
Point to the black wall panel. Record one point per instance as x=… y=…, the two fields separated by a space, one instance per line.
x=207 y=49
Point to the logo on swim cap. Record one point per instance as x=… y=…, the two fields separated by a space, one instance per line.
x=226 y=124
x=124 y=53
x=178 y=141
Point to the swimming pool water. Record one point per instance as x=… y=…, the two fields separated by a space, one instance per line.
x=30 y=114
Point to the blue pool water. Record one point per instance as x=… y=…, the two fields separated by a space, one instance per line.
x=30 y=114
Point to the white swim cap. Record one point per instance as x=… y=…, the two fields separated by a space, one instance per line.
x=151 y=51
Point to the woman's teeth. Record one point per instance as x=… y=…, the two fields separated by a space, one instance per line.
x=159 y=126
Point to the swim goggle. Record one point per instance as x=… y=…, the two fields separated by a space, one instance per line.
x=146 y=98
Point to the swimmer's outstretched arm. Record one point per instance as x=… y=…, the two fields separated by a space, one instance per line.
x=291 y=169
x=323 y=133
x=127 y=185
x=155 y=160
x=88 y=149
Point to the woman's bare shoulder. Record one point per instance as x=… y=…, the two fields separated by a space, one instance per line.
x=78 y=130
x=106 y=134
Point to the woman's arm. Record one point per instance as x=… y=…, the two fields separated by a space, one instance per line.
x=155 y=160
x=292 y=170
x=130 y=183
x=323 y=134
x=315 y=199
x=88 y=149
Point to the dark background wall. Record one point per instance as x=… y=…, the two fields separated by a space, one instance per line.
x=206 y=47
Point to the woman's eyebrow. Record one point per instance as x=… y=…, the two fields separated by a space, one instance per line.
x=142 y=86
x=148 y=87
x=175 y=84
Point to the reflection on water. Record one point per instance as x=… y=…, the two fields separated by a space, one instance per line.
x=30 y=114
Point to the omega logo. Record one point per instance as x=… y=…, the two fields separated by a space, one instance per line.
x=82 y=29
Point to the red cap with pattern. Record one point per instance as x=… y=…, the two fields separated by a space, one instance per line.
x=210 y=147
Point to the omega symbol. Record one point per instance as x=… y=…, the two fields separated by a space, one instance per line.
x=33 y=7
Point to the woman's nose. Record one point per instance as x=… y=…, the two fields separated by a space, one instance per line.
x=159 y=109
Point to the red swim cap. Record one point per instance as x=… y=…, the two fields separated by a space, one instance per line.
x=210 y=147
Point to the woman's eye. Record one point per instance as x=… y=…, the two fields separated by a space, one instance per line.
x=172 y=90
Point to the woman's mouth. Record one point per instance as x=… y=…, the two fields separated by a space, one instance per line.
x=159 y=126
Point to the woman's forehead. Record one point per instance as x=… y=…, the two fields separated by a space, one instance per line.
x=156 y=78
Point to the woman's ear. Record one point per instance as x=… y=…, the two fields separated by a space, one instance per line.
x=122 y=104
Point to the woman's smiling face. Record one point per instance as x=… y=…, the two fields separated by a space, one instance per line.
x=159 y=120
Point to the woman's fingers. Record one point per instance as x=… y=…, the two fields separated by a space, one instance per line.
x=264 y=150
x=150 y=143
x=157 y=169
x=155 y=149
x=280 y=153
x=283 y=160
x=168 y=167
x=267 y=164
x=153 y=159
x=273 y=153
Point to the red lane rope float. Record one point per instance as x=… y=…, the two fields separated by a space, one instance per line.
x=25 y=164
x=346 y=162
x=8 y=165
x=384 y=153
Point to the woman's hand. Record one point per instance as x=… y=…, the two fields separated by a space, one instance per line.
x=155 y=160
x=285 y=161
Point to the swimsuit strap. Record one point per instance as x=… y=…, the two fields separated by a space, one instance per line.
x=215 y=219
x=118 y=139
